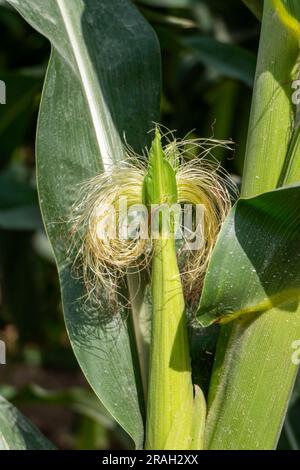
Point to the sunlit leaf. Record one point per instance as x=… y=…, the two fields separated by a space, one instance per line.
x=102 y=84
x=256 y=262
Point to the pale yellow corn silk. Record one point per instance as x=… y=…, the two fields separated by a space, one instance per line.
x=198 y=183
x=103 y=257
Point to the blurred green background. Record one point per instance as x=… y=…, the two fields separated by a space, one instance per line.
x=208 y=58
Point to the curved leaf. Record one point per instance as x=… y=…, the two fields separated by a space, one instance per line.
x=103 y=82
x=255 y=268
x=256 y=262
x=17 y=433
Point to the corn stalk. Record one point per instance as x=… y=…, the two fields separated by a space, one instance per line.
x=254 y=374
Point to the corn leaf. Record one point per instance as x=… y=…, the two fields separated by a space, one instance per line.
x=17 y=433
x=254 y=275
x=256 y=262
x=271 y=117
x=254 y=370
x=102 y=84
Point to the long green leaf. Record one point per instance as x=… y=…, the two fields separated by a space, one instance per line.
x=256 y=262
x=270 y=126
x=252 y=381
x=17 y=433
x=103 y=82
x=255 y=266
x=253 y=372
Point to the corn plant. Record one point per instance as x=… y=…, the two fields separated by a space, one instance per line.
x=95 y=144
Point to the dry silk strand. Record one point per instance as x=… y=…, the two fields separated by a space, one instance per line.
x=103 y=257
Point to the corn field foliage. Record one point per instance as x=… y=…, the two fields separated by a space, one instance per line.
x=99 y=75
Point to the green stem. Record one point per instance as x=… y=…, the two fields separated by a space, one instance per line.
x=174 y=419
x=253 y=373
x=271 y=118
x=170 y=399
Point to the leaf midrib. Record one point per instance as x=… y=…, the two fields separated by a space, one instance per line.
x=83 y=65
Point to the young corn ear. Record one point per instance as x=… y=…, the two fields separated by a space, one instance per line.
x=175 y=410
x=103 y=258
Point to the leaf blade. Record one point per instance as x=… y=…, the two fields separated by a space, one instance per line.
x=17 y=433
x=91 y=97
x=247 y=273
